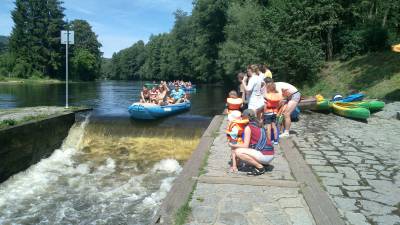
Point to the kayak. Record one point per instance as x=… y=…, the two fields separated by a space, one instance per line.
x=372 y=106
x=350 y=111
x=396 y=48
x=352 y=98
x=323 y=105
x=148 y=111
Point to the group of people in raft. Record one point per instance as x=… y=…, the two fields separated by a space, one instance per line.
x=252 y=115
x=158 y=94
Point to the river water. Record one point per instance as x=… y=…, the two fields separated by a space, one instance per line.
x=110 y=169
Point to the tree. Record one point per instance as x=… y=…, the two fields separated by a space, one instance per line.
x=35 y=37
x=86 y=39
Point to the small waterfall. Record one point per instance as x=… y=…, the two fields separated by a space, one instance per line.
x=77 y=131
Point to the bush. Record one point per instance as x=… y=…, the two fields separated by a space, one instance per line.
x=376 y=38
x=352 y=43
x=22 y=69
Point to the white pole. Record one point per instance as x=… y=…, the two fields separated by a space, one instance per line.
x=66 y=69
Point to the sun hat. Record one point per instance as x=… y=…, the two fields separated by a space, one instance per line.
x=234 y=115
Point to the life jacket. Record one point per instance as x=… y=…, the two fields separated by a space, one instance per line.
x=272 y=101
x=240 y=125
x=234 y=103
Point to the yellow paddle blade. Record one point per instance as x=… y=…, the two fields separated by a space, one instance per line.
x=396 y=48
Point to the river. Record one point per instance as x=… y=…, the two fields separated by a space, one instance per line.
x=110 y=169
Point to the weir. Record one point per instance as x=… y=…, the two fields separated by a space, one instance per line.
x=26 y=144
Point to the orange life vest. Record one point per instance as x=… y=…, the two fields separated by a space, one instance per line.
x=234 y=103
x=240 y=124
x=272 y=101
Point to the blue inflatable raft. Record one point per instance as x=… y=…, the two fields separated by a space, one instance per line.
x=151 y=112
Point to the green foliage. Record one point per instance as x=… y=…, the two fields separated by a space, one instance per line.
x=3 y=44
x=294 y=37
x=83 y=65
x=34 y=45
x=35 y=36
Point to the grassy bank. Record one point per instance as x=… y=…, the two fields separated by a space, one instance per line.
x=376 y=74
x=13 y=80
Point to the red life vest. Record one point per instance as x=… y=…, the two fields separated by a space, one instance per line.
x=240 y=124
x=272 y=101
x=234 y=103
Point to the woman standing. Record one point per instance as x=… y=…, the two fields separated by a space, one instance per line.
x=255 y=149
x=254 y=88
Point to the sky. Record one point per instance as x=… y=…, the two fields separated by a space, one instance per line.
x=118 y=23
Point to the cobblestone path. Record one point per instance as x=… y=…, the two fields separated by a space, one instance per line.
x=273 y=198
x=357 y=163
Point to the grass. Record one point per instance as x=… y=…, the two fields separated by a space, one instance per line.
x=10 y=122
x=185 y=210
x=32 y=80
x=376 y=74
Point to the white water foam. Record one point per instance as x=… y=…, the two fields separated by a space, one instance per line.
x=167 y=165
x=65 y=189
x=35 y=180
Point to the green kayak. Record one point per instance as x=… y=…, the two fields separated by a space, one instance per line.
x=350 y=110
x=373 y=106
x=322 y=105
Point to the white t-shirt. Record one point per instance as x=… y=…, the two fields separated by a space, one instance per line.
x=256 y=98
x=285 y=86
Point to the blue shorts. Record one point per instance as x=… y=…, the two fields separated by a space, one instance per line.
x=269 y=118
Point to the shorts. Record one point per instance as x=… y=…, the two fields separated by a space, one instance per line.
x=263 y=159
x=295 y=97
x=269 y=118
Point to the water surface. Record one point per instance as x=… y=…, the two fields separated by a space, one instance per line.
x=111 y=169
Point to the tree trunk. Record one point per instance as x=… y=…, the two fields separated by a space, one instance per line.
x=371 y=10
x=329 y=44
x=385 y=17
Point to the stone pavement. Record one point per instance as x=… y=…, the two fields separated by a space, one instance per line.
x=357 y=163
x=225 y=198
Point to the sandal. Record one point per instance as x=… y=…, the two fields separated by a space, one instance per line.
x=256 y=171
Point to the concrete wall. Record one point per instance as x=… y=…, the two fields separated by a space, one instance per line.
x=26 y=144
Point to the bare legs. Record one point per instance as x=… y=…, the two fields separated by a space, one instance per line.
x=241 y=153
x=291 y=106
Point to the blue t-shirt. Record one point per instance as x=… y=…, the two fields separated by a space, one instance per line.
x=177 y=94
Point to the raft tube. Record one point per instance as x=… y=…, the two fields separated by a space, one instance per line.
x=151 y=111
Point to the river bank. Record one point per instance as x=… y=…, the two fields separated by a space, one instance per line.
x=376 y=74
x=356 y=163
x=16 y=116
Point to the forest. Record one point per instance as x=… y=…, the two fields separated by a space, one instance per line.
x=293 y=37
x=33 y=49
x=214 y=42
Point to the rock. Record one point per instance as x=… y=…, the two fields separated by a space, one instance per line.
x=356 y=218
x=334 y=190
x=376 y=208
x=299 y=216
x=233 y=218
x=345 y=204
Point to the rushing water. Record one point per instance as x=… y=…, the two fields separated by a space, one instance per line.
x=110 y=169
